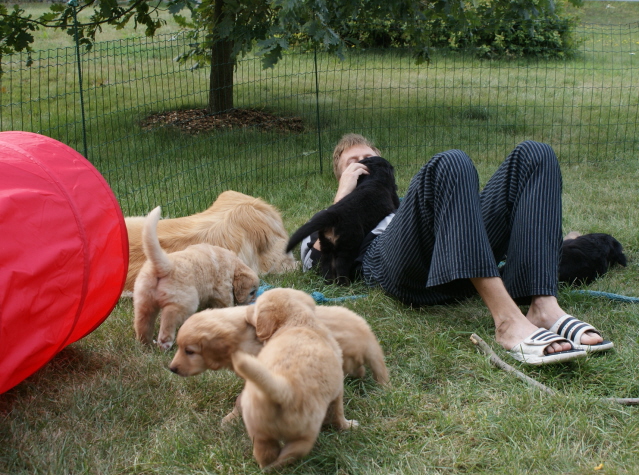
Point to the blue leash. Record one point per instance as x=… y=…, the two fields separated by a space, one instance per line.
x=317 y=296
x=608 y=295
x=596 y=293
x=320 y=298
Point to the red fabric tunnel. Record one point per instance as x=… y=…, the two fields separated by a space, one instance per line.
x=63 y=251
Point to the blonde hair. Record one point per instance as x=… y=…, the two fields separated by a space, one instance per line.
x=346 y=142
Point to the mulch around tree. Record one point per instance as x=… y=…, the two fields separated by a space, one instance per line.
x=195 y=121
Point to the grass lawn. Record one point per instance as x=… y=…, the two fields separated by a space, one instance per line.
x=609 y=13
x=108 y=405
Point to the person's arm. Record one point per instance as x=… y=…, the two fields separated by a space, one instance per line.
x=348 y=180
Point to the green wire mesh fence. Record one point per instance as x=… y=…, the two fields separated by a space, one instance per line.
x=148 y=132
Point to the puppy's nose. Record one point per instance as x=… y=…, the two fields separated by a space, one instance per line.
x=173 y=369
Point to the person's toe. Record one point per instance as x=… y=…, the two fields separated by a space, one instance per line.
x=558 y=347
x=591 y=338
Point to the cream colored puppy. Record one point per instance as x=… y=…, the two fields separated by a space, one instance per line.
x=208 y=338
x=179 y=283
x=359 y=345
x=294 y=383
x=248 y=226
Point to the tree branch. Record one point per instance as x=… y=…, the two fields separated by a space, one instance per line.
x=80 y=9
x=499 y=363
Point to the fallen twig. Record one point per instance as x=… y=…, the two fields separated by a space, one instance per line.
x=498 y=362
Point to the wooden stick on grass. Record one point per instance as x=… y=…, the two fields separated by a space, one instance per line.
x=498 y=362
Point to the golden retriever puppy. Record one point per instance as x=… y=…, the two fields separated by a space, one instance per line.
x=248 y=226
x=294 y=383
x=208 y=338
x=359 y=345
x=179 y=283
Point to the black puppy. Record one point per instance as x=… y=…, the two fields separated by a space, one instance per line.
x=586 y=257
x=343 y=226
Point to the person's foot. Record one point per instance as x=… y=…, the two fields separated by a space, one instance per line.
x=544 y=311
x=515 y=330
x=511 y=326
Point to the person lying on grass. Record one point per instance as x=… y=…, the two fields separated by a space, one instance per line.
x=446 y=238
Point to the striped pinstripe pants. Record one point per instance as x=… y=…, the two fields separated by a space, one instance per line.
x=445 y=231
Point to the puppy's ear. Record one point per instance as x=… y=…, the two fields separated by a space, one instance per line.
x=250 y=314
x=616 y=254
x=245 y=283
x=216 y=352
x=268 y=318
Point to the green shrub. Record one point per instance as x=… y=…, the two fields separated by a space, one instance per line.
x=501 y=30
x=491 y=28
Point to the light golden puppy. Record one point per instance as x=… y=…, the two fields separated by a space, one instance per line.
x=294 y=383
x=248 y=226
x=179 y=283
x=208 y=338
x=359 y=345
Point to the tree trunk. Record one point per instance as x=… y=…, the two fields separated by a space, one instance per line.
x=222 y=66
x=221 y=79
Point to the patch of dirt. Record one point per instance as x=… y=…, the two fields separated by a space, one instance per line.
x=195 y=121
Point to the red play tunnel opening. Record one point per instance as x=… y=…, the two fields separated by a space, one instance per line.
x=63 y=251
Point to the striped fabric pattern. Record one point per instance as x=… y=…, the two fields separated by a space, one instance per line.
x=445 y=231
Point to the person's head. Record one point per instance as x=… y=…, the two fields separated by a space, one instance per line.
x=351 y=148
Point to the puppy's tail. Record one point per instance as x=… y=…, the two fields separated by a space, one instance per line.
x=151 y=244
x=374 y=358
x=322 y=220
x=251 y=369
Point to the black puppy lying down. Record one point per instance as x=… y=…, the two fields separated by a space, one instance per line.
x=584 y=258
x=343 y=226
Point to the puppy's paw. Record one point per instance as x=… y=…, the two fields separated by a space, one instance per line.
x=291 y=265
x=164 y=343
x=359 y=372
x=345 y=424
x=572 y=235
x=287 y=264
x=228 y=419
x=351 y=424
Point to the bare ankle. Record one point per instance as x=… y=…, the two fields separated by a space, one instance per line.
x=544 y=311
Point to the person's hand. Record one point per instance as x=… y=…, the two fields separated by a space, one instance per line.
x=348 y=181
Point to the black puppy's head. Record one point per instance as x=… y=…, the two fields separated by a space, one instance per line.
x=379 y=169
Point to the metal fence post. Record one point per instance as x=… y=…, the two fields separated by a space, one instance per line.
x=73 y=4
x=317 y=110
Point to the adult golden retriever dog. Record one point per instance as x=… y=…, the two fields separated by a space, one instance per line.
x=177 y=284
x=296 y=381
x=248 y=226
x=208 y=338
